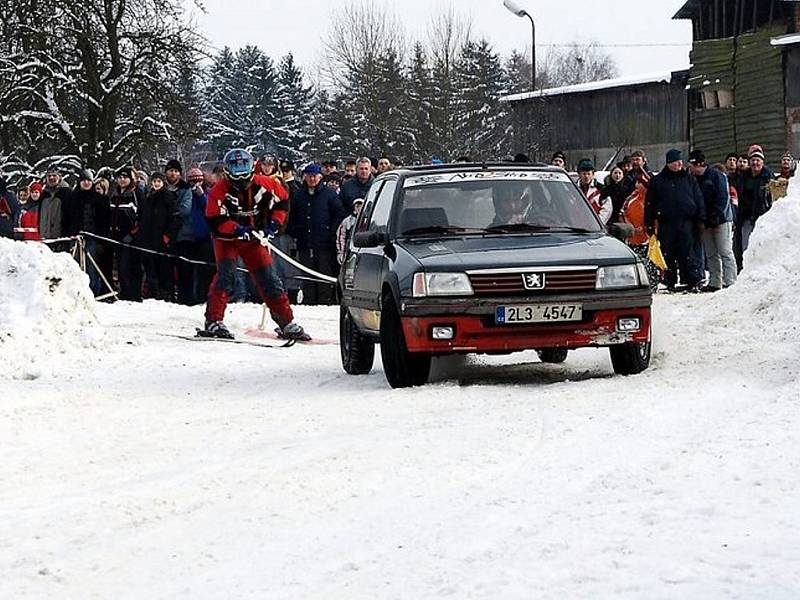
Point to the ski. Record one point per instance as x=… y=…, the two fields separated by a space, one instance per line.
x=273 y=335
x=197 y=337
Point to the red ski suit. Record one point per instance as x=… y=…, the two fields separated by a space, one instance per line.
x=226 y=210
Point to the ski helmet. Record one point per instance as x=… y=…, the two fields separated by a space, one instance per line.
x=238 y=164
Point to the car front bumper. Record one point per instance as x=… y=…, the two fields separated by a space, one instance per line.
x=474 y=328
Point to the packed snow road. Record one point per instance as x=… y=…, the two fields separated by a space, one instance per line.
x=162 y=468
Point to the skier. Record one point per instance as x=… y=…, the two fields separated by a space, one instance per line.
x=242 y=210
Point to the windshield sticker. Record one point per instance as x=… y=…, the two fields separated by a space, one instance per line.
x=439 y=178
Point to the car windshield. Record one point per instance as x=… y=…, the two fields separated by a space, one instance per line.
x=493 y=202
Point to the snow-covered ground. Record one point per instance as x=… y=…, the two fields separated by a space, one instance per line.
x=142 y=466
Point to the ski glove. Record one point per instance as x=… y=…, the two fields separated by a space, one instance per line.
x=244 y=233
x=272 y=229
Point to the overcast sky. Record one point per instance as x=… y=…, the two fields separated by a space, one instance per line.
x=300 y=25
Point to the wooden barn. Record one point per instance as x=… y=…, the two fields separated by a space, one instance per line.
x=743 y=88
x=743 y=82
x=601 y=119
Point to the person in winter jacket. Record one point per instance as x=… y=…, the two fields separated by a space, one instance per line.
x=592 y=190
x=345 y=230
x=52 y=212
x=9 y=210
x=615 y=192
x=638 y=170
x=125 y=203
x=243 y=208
x=202 y=247
x=89 y=212
x=183 y=245
x=755 y=198
x=718 y=235
x=158 y=224
x=358 y=186
x=633 y=213
x=675 y=209
x=315 y=215
x=28 y=221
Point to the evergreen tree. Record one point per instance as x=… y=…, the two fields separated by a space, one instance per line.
x=294 y=103
x=482 y=122
x=419 y=91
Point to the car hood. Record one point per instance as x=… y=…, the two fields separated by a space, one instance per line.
x=473 y=253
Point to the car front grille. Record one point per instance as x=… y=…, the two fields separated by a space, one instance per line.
x=511 y=284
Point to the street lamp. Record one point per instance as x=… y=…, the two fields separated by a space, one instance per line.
x=515 y=8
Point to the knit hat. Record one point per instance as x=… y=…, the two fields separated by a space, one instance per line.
x=756 y=151
x=585 y=164
x=787 y=155
x=174 y=164
x=86 y=175
x=312 y=169
x=287 y=165
x=674 y=155
x=124 y=172
x=696 y=157
x=195 y=175
x=36 y=186
x=559 y=154
x=157 y=175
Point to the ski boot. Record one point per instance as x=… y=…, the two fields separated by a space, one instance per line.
x=293 y=331
x=215 y=329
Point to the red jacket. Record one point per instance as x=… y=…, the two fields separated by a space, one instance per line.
x=28 y=229
x=253 y=207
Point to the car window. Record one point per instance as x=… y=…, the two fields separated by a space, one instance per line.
x=366 y=211
x=383 y=206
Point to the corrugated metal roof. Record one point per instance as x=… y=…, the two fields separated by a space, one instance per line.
x=592 y=86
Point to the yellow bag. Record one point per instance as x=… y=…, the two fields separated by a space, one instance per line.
x=654 y=253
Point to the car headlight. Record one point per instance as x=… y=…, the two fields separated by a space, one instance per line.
x=441 y=284
x=622 y=276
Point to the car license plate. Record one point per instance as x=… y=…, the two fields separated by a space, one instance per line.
x=538 y=313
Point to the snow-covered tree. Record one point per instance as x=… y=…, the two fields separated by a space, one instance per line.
x=294 y=104
x=84 y=81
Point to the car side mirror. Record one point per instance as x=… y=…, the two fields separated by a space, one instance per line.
x=370 y=239
x=621 y=231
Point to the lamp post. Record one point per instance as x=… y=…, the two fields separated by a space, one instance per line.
x=516 y=9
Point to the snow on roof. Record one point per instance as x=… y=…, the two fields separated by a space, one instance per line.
x=785 y=40
x=592 y=86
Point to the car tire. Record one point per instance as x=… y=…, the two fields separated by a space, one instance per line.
x=553 y=355
x=402 y=368
x=357 y=350
x=630 y=358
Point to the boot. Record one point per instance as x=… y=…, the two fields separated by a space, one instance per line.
x=217 y=329
x=293 y=331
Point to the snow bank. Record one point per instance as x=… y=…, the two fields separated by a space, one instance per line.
x=46 y=310
x=764 y=301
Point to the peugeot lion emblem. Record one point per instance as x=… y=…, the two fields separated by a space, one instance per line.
x=533 y=281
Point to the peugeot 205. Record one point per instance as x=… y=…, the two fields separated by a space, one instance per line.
x=492 y=259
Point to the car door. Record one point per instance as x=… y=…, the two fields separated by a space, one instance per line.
x=370 y=262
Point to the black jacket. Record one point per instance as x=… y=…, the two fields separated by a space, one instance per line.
x=617 y=192
x=755 y=199
x=124 y=212
x=314 y=218
x=673 y=198
x=351 y=190
x=88 y=211
x=159 y=216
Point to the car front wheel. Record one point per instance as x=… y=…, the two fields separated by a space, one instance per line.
x=402 y=368
x=630 y=358
x=357 y=350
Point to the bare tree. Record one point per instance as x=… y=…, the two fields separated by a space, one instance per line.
x=573 y=64
x=360 y=35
